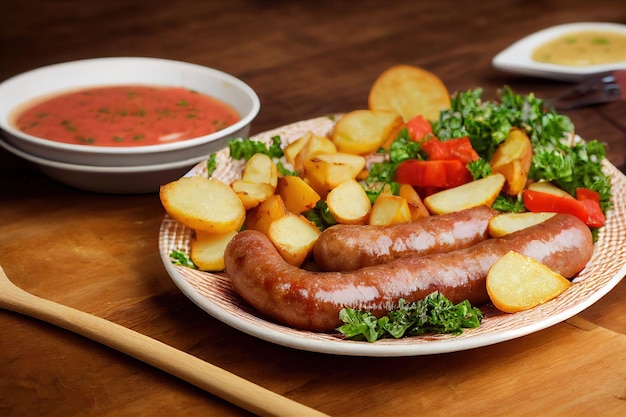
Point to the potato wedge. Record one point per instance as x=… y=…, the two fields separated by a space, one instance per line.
x=252 y=194
x=389 y=209
x=260 y=169
x=416 y=205
x=293 y=236
x=295 y=147
x=364 y=131
x=348 y=203
x=548 y=187
x=512 y=159
x=260 y=217
x=203 y=204
x=325 y=171
x=506 y=223
x=207 y=250
x=386 y=189
x=297 y=195
x=409 y=91
x=476 y=193
x=315 y=145
x=517 y=282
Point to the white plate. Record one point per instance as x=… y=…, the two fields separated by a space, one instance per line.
x=214 y=294
x=517 y=58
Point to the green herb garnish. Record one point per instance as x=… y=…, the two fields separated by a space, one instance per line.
x=211 y=164
x=246 y=148
x=69 y=126
x=284 y=171
x=434 y=314
x=181 y=258
x=381 y=175
x=511 y=204
x=320 y=215
x=404 y=148
x=479 y=168
x=487 y=124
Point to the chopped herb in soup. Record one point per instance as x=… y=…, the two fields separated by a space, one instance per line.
x=126 y=116
x=583 y=49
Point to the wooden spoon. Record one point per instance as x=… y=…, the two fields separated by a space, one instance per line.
x=211 y=378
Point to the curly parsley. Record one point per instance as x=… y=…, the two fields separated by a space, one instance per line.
x=181 y=258
x=487 y=124
x=211 y=164
x=320 y=215
x=381 y=175
x=246 y=148
x=434 y=314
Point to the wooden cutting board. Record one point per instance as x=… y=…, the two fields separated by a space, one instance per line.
x=576 y=369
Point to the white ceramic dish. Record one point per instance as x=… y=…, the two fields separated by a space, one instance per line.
x=517 y=58
x=68 y=76
x=215 y=295
x=110 y=180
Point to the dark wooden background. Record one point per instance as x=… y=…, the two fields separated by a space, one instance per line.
x=305 y=58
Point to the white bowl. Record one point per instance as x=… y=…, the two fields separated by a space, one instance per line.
x=68 y=76
x=110 y=180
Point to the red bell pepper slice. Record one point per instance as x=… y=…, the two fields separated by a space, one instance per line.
x=587 y=210
x=590 y=199
x=595 y=217
x=431 y=173
x=587 y=194
x=419 y=128
x=458 y=148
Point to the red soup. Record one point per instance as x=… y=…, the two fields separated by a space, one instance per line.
x=126 y=116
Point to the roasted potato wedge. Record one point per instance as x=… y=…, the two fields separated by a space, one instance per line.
x=512 y=159
x=295 y=147
x=207 y=250
x=364 y=131
x=260 y=169
x=389 y=209
x=252 y=194
x=416 y=205
x=297 y=195
x=517 y=282
x=409 y=91
x=506 y=223
x=476 y=193
x=260 y=217
x=325 y=171
x=293 y=236
x=203 y=204
x=314 y=146
x=348 y=203
x=548 y=187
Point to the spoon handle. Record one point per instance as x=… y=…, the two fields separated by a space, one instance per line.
x=211 y=378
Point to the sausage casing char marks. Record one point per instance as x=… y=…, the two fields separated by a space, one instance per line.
x=371 y=245
x=312 y=300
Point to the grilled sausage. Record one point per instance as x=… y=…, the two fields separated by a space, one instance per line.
x=312 y=300
x=350 y=247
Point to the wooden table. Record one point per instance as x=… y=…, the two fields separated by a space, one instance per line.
x=98 y=253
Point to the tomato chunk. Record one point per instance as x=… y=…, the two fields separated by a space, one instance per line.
x=433 y=173
x=419 y=128
x=590 y=199
x=587 y=194
x=459 y=148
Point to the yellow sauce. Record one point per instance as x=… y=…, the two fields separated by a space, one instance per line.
x=583 y=49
